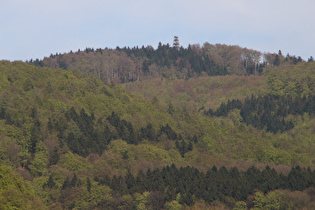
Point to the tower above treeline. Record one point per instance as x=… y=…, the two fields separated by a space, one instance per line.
x=176 y=42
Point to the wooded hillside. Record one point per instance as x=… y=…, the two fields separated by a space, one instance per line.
x=201 y=127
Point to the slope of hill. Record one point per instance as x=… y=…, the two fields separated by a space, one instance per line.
x=210 y=92
x=79 y=141
x=196 y=94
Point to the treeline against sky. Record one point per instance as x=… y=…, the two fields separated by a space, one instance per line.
x=131 y=64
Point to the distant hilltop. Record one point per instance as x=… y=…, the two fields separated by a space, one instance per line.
x=130 y=64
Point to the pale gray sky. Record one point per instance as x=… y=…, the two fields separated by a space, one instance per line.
x=37 y=28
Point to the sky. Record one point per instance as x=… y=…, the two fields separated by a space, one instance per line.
x=31 y=29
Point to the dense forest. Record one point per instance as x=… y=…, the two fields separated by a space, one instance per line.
x=211 y=127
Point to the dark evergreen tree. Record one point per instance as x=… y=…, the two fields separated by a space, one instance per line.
x=276 y=62
x=190 y=146
x=54 y=158
x=171 y=134
x=66 y=183
x=88 y=184
x=3 y=113
x=148 y=132
x=74 y=181
x=50 y=183
x=145 y=66
x=183 y=148
x=195 y=139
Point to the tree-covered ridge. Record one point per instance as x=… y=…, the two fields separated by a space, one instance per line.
x=132 y=64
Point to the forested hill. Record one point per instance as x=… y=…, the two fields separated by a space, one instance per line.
x=130 y=64
x=81 y=143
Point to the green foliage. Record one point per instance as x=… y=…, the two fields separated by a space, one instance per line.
x=60 y=129
x=260 y=200
x=73 y=162
x=40 y=161
x=240 y=205
x=170 y=109
x=297 y=80
x=142 y=200
x=173 y=205
x=80 y=198
x=274 y=200
x=15 y=193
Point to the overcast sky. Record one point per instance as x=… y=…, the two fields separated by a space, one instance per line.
x=37 y=28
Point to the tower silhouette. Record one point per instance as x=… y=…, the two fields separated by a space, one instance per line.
x=176 y=42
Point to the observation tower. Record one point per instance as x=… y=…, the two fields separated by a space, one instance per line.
x=176 y=43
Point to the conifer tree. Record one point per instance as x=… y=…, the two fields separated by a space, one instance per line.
x=54 y=159
x=66 y=183
x=50 y=183
x=88 y=184
x=170 y=109
x=74 y=181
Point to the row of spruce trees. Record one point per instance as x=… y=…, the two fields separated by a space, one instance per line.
x=189 y=184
